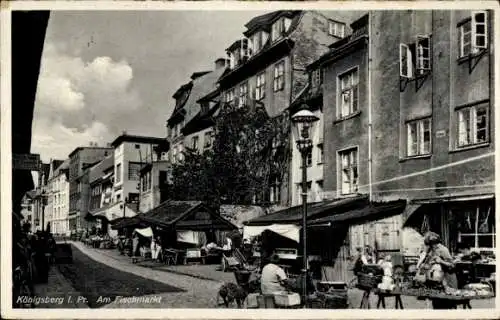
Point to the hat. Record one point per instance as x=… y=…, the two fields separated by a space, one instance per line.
x=431 y=238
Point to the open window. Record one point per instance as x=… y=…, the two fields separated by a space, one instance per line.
x=423 y=48
x=405 y=61
x=473 y=34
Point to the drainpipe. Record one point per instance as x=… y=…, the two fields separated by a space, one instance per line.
x=369 y=72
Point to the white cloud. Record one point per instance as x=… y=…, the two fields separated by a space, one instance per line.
x=79 y=102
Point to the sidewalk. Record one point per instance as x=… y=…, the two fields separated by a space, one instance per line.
x=58 y=292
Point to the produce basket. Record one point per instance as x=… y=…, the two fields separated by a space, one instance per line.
x=458 y=295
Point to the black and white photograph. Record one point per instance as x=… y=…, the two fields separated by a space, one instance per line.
x=250 y=158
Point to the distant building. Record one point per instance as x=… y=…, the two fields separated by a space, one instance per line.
x=57 y=208
x=81 y=159
x=101 y=178
x=28 y=207
x=155 y=178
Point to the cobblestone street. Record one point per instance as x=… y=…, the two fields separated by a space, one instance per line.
x=199 y=282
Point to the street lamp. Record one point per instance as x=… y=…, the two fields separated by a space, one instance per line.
x=303 y=128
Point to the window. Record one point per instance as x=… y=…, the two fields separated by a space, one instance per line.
x=336 y=29
x=279 y=76
x=260 y=91
x=259 y=39
x=133 y=171
x=243 y=94
x=321 y=153
x=278 y=29
x=349 y=170
x=348 y=93
x=194 y=142
x=316 y=78
x=476 y=225
x=208 y=139
x=275 y=192
x=423 y=54
x=230 y=97
x=473 y=125
x=405 y=61
x=473 y=34
x=419 y=137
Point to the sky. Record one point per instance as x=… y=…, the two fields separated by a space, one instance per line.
x=105 y=72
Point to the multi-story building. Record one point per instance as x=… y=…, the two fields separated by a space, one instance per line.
x=408 y=115
x=101 y=178
x=268 y=67
x=131 y=153
x=154 y=181
x=188 y=110
x=57 y=207
x=79 y=160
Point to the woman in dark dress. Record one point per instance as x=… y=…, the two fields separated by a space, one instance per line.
x=135 y=248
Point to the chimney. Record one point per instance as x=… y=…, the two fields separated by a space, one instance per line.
x=220 y=63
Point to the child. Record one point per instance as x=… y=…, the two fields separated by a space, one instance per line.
x=387 y=280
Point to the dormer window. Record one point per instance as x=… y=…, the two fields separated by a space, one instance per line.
x=279 y=27
x=336 y=29
x=259 y=39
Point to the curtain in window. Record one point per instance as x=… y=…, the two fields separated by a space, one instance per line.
x=463 y=127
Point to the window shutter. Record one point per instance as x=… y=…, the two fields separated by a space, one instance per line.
x=354 y=99
x=479 y=30
x=405 y=61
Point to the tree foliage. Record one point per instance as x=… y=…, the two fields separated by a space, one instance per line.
x=250 y=152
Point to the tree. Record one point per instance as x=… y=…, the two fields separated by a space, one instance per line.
x=250 y=152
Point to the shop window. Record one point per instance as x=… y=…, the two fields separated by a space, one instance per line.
x=349 y=170
x=473 y=125
x=473 y=34
x=419 y=137
x=476 y=226
x=348 y=94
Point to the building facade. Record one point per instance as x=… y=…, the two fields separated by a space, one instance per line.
x=81 y=159
x=131 y=153
x=28 y=207
x=57 y=208
x=268 y=67
x=408 y=115
x=154 y=181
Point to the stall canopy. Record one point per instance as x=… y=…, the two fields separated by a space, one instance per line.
x=145 y=232
x=290 y=231
x=186 y=215
x=130 y=222
x=293 y=215
x=114 y=211
x=372 y=211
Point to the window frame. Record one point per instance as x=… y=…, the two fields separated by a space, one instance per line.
x=243 y=94
x=472 y=24
x=278 y=29
x=353 y=185
x=260 y=86
x=471 y=124
x=194 y=142
x=341 y=91
x=420 y=131
x=423 y=60
x=334 y=31
x=130 y=165
x=118 y=174
x=405 y=60
x=279 y=76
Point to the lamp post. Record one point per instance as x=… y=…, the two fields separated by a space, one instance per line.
x=303 y=128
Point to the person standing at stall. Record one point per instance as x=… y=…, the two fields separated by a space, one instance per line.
x=439 y=254
x=135 y=248
x=273 y=277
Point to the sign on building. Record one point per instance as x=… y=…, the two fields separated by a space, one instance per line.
x=29 y=162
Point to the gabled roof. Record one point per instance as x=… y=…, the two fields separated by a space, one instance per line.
x=60 y=169
x=198 y=74
x=263 y=21
x=172 y=213
x=202 y=86
x=97 y=171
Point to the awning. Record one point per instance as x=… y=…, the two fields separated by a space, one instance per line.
x=145 y=232
x=192 y=237
x=290 y=231
x=371 y=212
x=121 y=223
x=458 y=198
x=293 y=215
